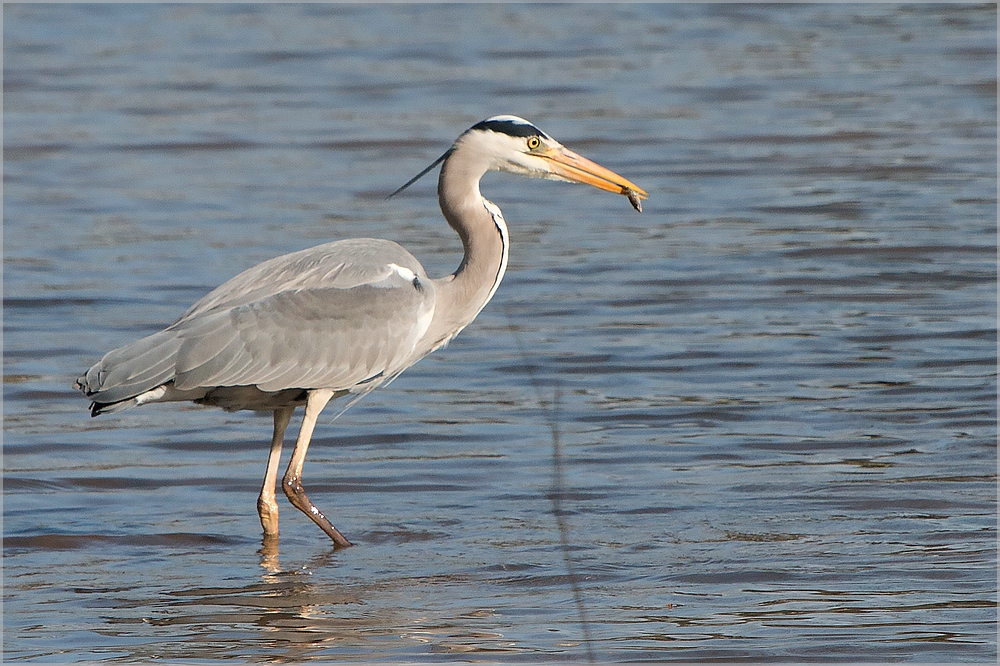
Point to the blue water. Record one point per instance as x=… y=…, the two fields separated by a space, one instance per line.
x=764 y=410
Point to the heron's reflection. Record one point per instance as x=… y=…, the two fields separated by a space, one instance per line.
x=269 y=556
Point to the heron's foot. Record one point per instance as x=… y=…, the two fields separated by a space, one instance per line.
x=296 y=494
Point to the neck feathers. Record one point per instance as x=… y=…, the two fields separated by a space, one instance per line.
x=480 y=225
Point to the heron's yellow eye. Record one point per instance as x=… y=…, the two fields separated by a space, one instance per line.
x=533 y=142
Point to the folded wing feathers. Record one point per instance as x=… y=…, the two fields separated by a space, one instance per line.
x=130 y=370
x=302 y=337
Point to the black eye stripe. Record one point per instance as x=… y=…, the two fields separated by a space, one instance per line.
x=510 y=128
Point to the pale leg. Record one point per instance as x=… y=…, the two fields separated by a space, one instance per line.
x=267 y=505
x=292 y=483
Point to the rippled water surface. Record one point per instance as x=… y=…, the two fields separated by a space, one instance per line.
x=764 y=409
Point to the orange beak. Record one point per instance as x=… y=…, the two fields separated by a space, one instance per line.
x=578 y=169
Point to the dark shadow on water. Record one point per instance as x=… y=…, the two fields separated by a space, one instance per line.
x=557 y=490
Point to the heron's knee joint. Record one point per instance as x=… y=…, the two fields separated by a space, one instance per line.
x=292 y=487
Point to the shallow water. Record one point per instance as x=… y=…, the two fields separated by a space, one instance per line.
x=764 y=410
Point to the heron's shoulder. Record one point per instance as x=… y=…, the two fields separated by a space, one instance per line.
x=372 y=252
x=350 y=263
x=343 y=264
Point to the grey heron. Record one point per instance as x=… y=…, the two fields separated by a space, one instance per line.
x=341 y=318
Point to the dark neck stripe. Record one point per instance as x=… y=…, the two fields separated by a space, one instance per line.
x=501 y=227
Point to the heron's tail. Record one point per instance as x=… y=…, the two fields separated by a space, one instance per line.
x=97 y=408
x=131 y=375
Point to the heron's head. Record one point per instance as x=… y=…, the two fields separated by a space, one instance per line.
x=512 y=144
x=515 y=145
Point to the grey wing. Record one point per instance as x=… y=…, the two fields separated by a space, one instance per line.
x=330 y=316
x=317 y=338
x=344 y=264
x=133 y=369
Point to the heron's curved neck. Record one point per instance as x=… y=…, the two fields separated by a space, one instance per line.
x=461 y=295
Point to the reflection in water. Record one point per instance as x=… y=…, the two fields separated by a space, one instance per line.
x=296 y=619
x=269 y=555
x=299 y=618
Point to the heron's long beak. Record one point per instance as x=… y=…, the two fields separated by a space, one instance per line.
x=577 y=168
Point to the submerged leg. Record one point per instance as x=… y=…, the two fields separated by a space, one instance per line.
x=267 y=505
x=292 y=483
